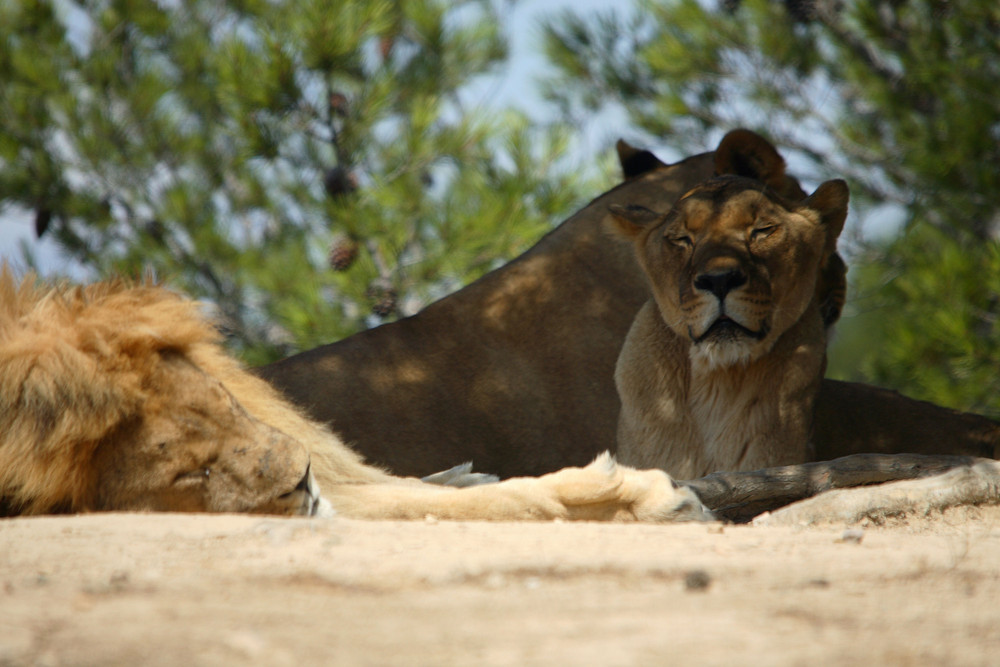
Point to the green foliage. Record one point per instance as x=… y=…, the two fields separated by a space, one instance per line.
x=929 y=307
x=897 y=97
x=307 y=166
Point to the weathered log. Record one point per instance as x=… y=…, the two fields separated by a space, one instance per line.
x=741 y=496
x=975 y=484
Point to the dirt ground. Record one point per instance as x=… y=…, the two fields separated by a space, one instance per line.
x=196 y=590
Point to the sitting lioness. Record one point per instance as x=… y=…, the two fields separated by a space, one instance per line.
x=721 y=367
x=119 y=397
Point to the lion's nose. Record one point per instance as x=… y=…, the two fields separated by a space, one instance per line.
x=306 y=483
x=304 y=498
x=720 y=283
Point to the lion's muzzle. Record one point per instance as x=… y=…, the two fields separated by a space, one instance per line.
x=303 y=500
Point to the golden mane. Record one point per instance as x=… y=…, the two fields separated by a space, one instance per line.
x=71 y=372
x=121 y=313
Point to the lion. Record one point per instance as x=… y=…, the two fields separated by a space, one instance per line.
x=721 y=367
x=118 y=396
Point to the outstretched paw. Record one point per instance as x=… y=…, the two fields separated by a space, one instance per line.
x=606 y=490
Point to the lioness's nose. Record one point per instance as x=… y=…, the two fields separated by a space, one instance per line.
x=720 y=283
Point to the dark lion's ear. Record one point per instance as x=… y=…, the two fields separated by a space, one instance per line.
x=634 y=161
x=746 y=153
x=629 y=221
x=830 y=202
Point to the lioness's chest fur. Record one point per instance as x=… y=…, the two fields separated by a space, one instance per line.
x=691 y=420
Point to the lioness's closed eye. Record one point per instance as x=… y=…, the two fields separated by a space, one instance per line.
x=721 y=367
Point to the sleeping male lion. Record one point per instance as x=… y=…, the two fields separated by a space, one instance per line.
x=118 y=397
x=721 y=368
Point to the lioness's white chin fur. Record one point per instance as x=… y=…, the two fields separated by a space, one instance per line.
x=712 y=355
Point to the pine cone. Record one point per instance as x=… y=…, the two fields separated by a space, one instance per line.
x=340 y=182
x=801 y=11
x=339 y=103
x=385 y=44
x=384 y=300
x=343 y=252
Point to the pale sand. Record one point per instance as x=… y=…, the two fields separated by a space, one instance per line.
x=203 y=590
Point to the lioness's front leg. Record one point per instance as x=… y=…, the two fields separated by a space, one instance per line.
x=601 y=491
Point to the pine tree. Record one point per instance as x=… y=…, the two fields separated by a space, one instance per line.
x=311 y=167
x=897 y=97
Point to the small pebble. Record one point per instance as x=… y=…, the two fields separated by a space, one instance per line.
x=697 y=580
x=852 y=536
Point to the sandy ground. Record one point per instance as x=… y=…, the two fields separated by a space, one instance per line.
x=193 y=590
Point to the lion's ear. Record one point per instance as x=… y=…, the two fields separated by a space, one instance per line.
x=629 y=221
x=56 y=407
x=746 y=153
x=830 y=202
x=635 y=161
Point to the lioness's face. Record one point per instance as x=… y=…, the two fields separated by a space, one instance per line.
x=732 y=266
x=192 y=447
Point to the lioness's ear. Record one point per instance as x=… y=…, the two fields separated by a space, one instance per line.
x=830 y=201
x=746 y=153
x=634 y=161
x=629 y=221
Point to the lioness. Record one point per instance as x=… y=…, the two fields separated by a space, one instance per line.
x=118 y=397
x=721 y=367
